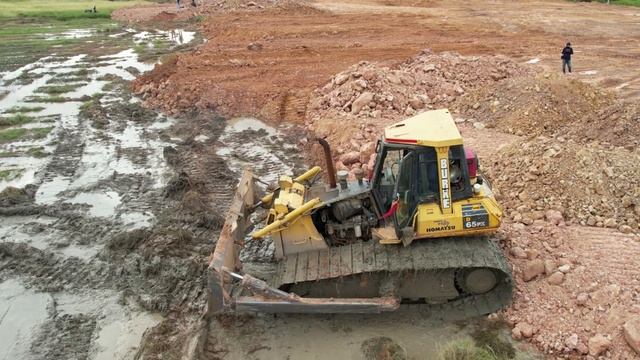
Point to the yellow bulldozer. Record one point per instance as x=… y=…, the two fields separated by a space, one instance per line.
x=415 y=230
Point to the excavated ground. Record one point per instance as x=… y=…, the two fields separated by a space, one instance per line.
x=561 y=152
x=265 y=63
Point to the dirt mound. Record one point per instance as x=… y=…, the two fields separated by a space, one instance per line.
x=617 y=124
x=588 y=184
x=427 y=80
x=353 y=107
x=164 y=16
x=552 y=104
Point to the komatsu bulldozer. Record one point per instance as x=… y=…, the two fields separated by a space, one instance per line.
x=415 y=230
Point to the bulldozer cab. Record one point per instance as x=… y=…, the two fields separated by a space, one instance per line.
x=420 y=161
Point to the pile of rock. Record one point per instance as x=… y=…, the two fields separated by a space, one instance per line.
x=586 y=184
x=614 y=125
x=426 y=81
x=353 y=107
x=549 y=104
x=534 y=105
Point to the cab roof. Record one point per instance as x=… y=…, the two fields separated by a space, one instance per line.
x=434 y=128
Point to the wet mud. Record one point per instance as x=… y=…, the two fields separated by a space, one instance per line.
x=95 y=246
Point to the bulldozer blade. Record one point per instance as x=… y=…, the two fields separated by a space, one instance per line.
x=224 y=287
x=317 y=305
x=225 y=255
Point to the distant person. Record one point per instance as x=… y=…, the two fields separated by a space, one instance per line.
x=178 y=4
x=566 y=58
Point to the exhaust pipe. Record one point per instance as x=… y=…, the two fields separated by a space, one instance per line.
x=331 y=171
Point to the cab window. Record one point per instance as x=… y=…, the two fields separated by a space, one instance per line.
x=388 y=176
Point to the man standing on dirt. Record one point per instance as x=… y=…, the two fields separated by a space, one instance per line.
x=178 y=4
x=566 y=58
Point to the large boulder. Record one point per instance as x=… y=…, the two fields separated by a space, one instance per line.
x=361 y=101
x=598 y=344
x=532 y=269
x=631 y=330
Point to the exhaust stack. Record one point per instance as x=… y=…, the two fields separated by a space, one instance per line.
x=331 y=171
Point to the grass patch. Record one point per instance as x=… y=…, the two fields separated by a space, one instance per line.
x=160 y=44
x=24 y=109
x=64 y=80
x=37 y=152
x=490 y=338
x=20 y=133
x=58 y=89
x=17 y=119
x=47 y=99
x=8 y=154
x=465 y=350
x=84 y=72
x=39 y=133
x=12 y=134
x=8 y=175
x=615 y=2
x=64 y=10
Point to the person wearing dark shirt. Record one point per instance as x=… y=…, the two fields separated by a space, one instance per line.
x=566 y=57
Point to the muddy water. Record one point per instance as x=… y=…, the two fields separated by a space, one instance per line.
x=270 y=151
x=91 y=176
x=21 y=313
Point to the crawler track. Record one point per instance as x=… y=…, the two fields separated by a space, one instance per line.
x=426 y=267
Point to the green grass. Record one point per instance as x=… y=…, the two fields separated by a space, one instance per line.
x=617 y=2
x=7 y=154
x=626 y=2
x=466 y=350
x=58 y=89
x=17 y=119
x=37 y=152
x=12 y=134
x=84 y=72
x=24 y=109
x=39 y=133
x=47 y=99
x=62 y=9
x=10 y=174
x=9 y=135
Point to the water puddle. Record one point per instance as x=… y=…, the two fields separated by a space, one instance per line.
x=177 y=36
x=533 y=61
x=121 y=338
x=22 y=312
x=119 y=328
x=48 y=191
x=589 y=72
x=101 y=204
x=70 y=34
x=137 y=220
